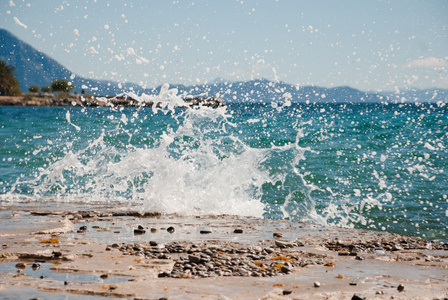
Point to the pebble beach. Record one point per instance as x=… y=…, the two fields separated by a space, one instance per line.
x=100 y=251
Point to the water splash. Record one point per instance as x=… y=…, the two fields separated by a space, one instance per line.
x=188 y=161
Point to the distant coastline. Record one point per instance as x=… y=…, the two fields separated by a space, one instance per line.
x=76 y=100
x=50 y=100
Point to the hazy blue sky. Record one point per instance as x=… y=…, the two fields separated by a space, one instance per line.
x=369 y=45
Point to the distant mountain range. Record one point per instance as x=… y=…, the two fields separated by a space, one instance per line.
x=33 y=67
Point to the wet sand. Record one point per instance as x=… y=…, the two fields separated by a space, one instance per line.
x=86 y=252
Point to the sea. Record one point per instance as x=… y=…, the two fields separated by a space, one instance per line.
x=379 y=166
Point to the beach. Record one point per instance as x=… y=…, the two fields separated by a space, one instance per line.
x=154 y=256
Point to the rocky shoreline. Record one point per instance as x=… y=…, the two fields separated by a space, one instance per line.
x=214 y=257
x=75 y=100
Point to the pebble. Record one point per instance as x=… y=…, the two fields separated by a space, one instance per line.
x=139 y=231
x=194 y=259
x=205 y=231
x=277 y=235
x=170 y=229
x=238 y=230
x=284 y=244
x=21 y=265
x=207 y=260
x=358 y=297
x=400 y=288
x=317 y=284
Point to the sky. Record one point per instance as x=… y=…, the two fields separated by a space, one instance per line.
x=369 y=45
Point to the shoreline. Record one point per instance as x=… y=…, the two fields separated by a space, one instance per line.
x=76 y=100
x=215 y=257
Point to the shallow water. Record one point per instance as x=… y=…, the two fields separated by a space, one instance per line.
x=25 y=292
x=376 y=166
x=44 y=271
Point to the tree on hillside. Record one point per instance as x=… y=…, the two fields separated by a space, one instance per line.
x=61 y=85
x=33 y=89
x=9 y=85
x=45 y=89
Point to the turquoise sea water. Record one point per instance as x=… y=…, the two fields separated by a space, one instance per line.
x=375 y=166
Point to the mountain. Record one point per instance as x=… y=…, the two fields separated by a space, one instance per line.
x=33 y=67
x=36 y=68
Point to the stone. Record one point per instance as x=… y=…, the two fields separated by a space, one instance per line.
x=277 y=235
x=21 y=265
x=316 y=284
x=238 y=230
x=400 y=288
x=194 y=259
x=284 y=244
x=358 y=297
x=170 y=229
x=285 y=269
x=139 y=231
x=269 y=250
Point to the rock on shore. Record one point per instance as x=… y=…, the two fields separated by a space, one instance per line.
x=92 y=101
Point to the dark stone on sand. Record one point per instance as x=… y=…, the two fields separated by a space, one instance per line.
x=170 y=229
x=57 y=254
x=353 y=284
x=163 y=274
x=238 y=230
x=358 y=297
x=104 y=276
x=153 y=243
x=21 y=265
x=400 y=288
x=36 y=266
x=153 y=230
x=316 y=284
x=140 y=227
x=285 y=269
x=277 y=235
x=205 y=231
x=139 y=231
x=287 y=292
